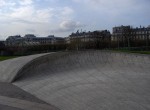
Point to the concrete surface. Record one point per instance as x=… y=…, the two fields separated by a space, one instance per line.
x=89 y=80
x=10 y=68
x=12 y=91
x=13 y=97
x=5 y=107
x=23 y=104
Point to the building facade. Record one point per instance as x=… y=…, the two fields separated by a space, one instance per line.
x=31 y=39
x=103 y=35
x=128 y=36
x=89 y=40
x=2 y=44
x=122 y=33
x=2 y=48
x=13 y=40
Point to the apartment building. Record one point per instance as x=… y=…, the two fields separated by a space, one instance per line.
x=31 y=39
x=123 y=33
x=103 y=35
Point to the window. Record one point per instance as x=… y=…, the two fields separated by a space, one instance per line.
x=144 y=37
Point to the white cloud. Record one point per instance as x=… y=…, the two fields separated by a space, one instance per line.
x=62 y=16
x=63 y=13
x=69 y=25
x=30 y=14
x=6 y=3
x=2 y=3
x=25 y=17
x=26 y=2
x=22 y=12
x=67 y=11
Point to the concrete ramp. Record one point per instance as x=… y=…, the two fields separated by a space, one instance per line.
x=89 y=80
x=10 y=69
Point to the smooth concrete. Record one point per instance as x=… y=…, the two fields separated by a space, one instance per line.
x=23 y=104
x=9 y=69
x=5 y=107
x=89 y=80
x=13 y=97
x=12 y=91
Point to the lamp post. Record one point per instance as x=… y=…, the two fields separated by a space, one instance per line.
x=118 y=42
x=147 y=39
x=77 y=42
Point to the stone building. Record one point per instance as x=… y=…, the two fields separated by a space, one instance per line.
x=2 y=48
x=31 y=39
x=142 y=33
x=89 y=40
x=2 y=44
x=13 y=40
x=127 y=35
x=103 y=35
x=122 y=33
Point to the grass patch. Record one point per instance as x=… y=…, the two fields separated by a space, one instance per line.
x=6 y=57
x=132 y=51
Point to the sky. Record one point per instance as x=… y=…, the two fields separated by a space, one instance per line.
x=62 y=17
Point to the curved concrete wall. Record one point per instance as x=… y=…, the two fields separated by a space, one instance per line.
x=10 y=68
x=89 y=80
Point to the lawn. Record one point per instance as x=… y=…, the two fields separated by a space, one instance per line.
x=6 y=57
x=132 y=51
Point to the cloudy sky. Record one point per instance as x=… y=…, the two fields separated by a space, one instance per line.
x=61 y=17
